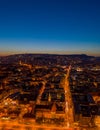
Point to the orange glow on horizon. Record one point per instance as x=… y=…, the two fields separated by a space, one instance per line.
x=6 y=53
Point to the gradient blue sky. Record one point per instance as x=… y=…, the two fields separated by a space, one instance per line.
x=50 y=26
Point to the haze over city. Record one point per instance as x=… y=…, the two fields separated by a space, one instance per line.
x=50 y=26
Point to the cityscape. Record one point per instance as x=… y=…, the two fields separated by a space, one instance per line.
x=49 y=64
x=46 y=91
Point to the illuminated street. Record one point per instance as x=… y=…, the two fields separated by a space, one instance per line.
x=68 y=99
x=14 y=125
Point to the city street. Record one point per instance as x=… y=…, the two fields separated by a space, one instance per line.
x=68 y=99
x=14 y=125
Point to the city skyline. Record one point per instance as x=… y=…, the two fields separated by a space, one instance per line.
x=50 y=26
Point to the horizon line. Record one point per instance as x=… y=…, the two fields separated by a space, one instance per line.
x=45 y=53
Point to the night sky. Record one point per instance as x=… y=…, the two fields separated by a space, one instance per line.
x=50 y=26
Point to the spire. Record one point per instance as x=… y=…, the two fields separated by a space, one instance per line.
x=54 y=108
x=49 y=97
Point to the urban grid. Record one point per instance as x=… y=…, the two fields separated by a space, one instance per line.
x=49 y=92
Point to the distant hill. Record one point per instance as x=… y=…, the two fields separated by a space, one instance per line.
x=47 y=55
x=48 y=59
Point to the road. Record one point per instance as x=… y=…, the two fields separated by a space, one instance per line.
x=40 y=93
x=68 y=105
x=14 y=125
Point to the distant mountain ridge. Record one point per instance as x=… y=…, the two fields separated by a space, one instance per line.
x=40 y=54
x=49 y=59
